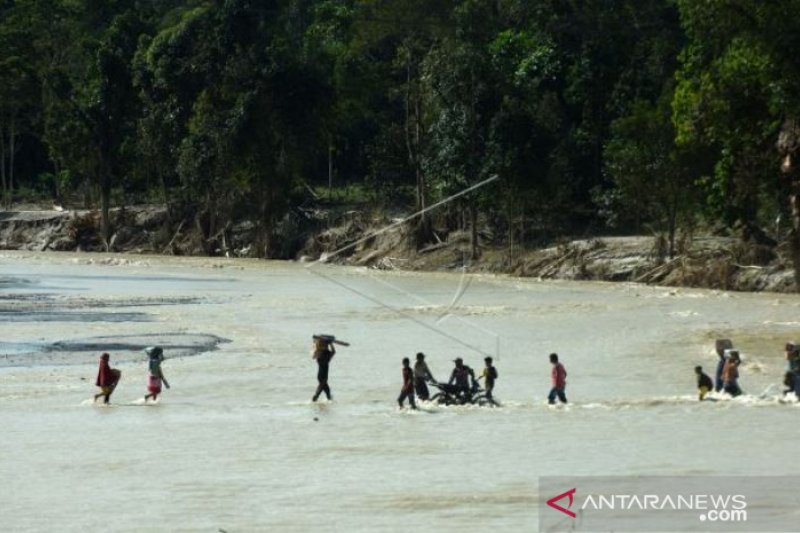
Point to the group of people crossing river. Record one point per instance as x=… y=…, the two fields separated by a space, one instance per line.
x=726 y=377
x=108 y=378
x=463 y=386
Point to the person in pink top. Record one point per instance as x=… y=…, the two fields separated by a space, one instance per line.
x=559 y=376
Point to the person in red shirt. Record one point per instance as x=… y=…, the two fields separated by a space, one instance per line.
x=559 y=378
x=408 y=385
x=107 y=379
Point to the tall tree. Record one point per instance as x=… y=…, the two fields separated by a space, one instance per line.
x=738 y=83
x=19 y=91
x=90 y=105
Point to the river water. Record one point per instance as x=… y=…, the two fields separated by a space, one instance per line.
x=237 y=445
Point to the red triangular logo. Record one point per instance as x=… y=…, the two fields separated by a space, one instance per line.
x=552 y=503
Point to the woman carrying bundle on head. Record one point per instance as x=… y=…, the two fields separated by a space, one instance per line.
x=156 y=375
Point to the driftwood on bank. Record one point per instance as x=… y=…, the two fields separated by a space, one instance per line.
x=658 y=272
x=169 y=248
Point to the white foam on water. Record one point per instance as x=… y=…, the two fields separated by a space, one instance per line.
x=781 y=323
x=141 y=401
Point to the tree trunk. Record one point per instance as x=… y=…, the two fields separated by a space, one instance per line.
x=789 y=145
x=105 y=201
x=472 y=173
x=3 y=163
x=11 y=148
x=672 y=222
x=265 y=220
x=57 y=182
x=330 y=169
x=794 y=236
x=473 y=218
x=424 y=229
x=795 y=246
x=413 y=143
x=671 y=251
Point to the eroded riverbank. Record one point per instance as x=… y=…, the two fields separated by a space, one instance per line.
x=725 y=263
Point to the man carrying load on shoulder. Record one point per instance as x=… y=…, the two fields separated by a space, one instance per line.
x=322 y=354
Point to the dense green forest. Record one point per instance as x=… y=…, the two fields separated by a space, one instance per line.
x=596 y=115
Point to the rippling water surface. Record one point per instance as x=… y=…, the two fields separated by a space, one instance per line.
x=237 y=445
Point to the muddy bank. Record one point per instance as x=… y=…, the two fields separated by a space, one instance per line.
x=138 y=229
x=725 y=263
x=350 y=238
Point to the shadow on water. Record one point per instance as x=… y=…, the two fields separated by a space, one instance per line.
x=14 y=348
x=55 y=300
x=48 y=307
x=69 y=316
x=13 y=282
x=122 y=347
x=169 y=279
x=174 y=344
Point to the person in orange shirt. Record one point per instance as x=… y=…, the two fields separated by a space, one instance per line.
x=730 y=373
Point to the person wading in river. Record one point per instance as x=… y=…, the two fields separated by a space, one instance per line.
x=489 y=375
x=462 y=380
x=704 y=383
x=730 y=374
x=721 y=346
x=323 y=353
x=422 y=374
x=792 y=377
x=407 y=391
x=559 y=380
x=107 y=379
x=156 y=375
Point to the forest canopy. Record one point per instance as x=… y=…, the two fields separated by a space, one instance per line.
x=646 y=116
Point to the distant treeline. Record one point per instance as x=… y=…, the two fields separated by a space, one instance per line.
x=597 y=115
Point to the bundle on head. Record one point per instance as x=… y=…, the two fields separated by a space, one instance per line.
x=329 y=339
x=723 y=344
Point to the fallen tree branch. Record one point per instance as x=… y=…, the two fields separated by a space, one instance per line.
x=168 y=247
x=653 y=272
